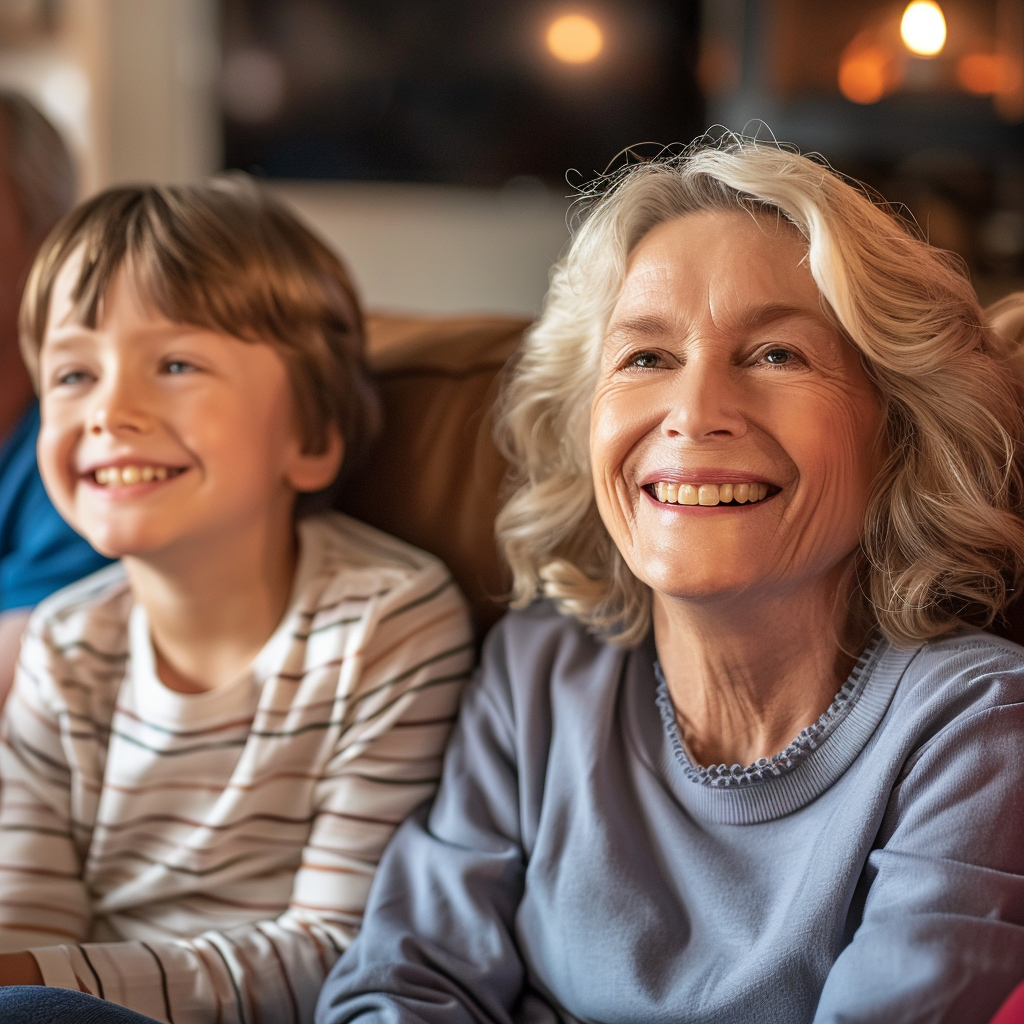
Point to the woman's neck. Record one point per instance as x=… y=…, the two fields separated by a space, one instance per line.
x=746 y=676
x=212 y=609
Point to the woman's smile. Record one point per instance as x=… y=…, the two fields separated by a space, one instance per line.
x=709 y=495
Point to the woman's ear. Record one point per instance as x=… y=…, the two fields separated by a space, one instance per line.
x=313 y=471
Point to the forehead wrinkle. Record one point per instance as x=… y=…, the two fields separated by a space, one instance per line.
x=644 y=325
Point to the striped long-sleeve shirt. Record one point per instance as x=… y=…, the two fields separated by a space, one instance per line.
x=206 y=857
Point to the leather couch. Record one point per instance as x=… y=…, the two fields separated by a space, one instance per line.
x=434 y=477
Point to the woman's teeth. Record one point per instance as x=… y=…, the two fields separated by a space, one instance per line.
x=122 y=476
x=708 y=494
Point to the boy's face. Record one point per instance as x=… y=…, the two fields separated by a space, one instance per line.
x=156 y=434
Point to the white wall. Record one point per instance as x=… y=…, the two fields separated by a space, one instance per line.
x=439 y=249
x=133 y=84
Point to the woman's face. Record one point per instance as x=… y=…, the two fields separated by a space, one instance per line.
x=734 y=434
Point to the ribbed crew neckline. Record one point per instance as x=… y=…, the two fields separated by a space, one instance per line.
x=772 y=787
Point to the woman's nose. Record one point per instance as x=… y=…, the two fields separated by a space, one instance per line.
x=706 y=403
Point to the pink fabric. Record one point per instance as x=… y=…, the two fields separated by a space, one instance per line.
x=1012 y=1011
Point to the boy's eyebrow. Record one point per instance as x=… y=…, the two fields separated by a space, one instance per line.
x=66 y=339
x=71 y=332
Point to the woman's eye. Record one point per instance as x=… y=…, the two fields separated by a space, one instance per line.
x=644 y=360
x=778 y=356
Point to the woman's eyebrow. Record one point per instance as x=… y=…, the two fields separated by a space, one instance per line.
x=645 y=326
x=771 y=312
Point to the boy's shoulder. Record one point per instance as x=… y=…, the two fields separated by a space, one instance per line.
x=78 y=637
x=100 y=601
x=351 y=557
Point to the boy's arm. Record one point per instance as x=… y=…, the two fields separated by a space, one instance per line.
x=42 y=897
x=12 y=628
x=387 y=760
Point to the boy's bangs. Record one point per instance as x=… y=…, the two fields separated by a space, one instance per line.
x=225 y=257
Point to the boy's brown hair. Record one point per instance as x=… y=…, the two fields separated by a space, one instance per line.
x=223 y=255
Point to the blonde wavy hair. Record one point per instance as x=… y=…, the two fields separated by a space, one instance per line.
x=943 y=540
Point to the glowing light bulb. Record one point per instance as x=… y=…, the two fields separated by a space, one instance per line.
x=923 y=28
x=575 y=39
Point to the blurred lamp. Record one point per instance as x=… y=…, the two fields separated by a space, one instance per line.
x=863 y=74
x=982 y=73
x=923 y=28
x=575 y=39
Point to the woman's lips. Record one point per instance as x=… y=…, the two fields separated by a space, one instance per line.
x=708 y=495
x=669 y=493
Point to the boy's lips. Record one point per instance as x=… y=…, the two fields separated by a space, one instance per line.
x=130 y=473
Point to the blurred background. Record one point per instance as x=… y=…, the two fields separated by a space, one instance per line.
x=437 y=143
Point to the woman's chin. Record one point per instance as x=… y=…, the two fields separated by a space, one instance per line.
x=698 y=588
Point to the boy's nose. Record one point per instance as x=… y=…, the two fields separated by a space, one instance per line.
x=115 y=413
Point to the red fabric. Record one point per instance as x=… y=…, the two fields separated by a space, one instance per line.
x=1012 y=1011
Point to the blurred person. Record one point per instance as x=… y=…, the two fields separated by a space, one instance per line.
x=39 y=552
x=208 y=744
x=744 y=752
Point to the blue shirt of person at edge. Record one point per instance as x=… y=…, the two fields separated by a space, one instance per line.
x=39 y=552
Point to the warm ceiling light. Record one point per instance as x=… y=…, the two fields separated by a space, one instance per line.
x=575 y=39
x=923 y=28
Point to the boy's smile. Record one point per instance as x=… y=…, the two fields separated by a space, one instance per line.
x=156 y=433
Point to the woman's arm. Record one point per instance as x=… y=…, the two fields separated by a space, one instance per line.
x=438 y=943
x=941 y=938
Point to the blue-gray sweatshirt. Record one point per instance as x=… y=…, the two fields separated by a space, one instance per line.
x=576 y=865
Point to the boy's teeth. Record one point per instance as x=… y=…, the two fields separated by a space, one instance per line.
x=708 y=494
x=123 y=476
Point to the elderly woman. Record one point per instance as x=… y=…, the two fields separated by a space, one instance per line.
x=751 y=759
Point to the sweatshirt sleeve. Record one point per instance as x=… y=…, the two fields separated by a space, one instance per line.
x=941 y=937
x=386 y=761
x=438 y=943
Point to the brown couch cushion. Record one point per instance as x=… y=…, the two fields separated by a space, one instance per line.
x=434 y=477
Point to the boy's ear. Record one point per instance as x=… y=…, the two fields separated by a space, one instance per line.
x=311 y=471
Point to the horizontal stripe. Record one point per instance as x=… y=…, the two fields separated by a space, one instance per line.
x=49 y=907
x=286 y=734
x=112 y=657
x=402 y=609
x=43 y=929
x=21 y=869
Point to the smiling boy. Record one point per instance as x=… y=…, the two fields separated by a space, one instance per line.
x=209 y=744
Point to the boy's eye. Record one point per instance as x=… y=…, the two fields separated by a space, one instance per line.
x=72 y=378
x=178 y=366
